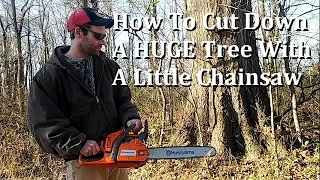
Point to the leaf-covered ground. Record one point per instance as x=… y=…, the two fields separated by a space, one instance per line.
x=21 y=158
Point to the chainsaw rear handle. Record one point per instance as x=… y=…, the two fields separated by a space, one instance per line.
x=109 y=157
x=115 y=146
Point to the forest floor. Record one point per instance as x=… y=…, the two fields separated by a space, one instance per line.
x=21 y=158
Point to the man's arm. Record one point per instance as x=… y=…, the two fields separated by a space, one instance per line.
x=49 y=126
x=128 y=113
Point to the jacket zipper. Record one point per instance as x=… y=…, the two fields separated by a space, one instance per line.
x=108 y=126
x=97 y=98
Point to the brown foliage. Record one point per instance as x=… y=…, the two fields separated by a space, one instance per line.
x=21 y=157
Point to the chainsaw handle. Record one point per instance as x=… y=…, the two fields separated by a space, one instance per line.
x=128 y=129
x=82 y=159
x=143 y=136
x=117 y=142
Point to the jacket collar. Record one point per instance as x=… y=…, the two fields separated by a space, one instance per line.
x=57 y=58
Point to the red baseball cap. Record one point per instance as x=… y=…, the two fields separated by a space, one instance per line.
x=90 y=16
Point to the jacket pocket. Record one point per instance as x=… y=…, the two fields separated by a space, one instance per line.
x=81 y=120
x=80 y=113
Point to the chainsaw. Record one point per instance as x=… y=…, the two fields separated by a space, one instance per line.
x=124 y=149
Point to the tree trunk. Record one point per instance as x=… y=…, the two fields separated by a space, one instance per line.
x=293 y=96
x=6 y=70
x=30 y=69
x=44 y=19
x=94 y=4
x=291 y=87
x=156 y=64
x=226 y=116
x=18 y=24
x=84 y=3
x=109 y=45
x=19 y=60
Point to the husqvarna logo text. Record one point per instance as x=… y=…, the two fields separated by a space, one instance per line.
x=127 y=153
x=169 y=152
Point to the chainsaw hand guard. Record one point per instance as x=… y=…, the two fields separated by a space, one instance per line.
x=117 y=142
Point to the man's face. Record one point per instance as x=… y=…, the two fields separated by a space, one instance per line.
x=91 y=43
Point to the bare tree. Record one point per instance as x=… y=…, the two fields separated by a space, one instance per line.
x=5 y=60
x=18 y=23
x=313 y=86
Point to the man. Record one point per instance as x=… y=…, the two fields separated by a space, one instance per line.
x=73 y=105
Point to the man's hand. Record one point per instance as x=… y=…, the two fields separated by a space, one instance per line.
x=138 y=125
x=90 y=148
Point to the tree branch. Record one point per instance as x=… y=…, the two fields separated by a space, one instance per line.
x=308 y=12
x=299 y=5
x=301 y=101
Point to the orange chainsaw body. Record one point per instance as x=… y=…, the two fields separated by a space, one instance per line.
x=120 y=149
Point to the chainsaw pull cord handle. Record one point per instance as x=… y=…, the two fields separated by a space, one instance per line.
x=117 y=142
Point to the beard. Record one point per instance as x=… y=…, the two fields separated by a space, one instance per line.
x=88 y=48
